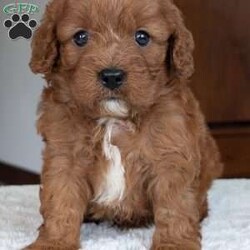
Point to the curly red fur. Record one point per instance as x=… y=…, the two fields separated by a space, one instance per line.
x=167 y=152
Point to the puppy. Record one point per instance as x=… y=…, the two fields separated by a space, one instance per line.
x=125 y=140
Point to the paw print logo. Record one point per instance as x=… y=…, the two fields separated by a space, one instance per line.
x=20 y=26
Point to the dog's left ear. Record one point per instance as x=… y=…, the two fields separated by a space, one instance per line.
x=179 y=59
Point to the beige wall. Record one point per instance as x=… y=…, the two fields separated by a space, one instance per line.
x=19 y=95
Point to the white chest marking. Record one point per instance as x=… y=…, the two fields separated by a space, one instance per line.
x=114 y=183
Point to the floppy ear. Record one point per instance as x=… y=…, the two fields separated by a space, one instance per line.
x=45 y=47
x=180 y=48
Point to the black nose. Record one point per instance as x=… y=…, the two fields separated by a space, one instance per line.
x=112 y=78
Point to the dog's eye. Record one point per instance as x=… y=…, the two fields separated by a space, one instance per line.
x=142 y=38
x=81 y=38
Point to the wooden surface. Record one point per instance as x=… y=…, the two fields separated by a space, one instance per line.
x=221 y=31
x=234 y=144
x=12 y=175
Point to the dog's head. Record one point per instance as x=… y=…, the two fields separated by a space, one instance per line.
x=115 y=55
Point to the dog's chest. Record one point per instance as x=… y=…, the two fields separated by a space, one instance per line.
x=113 y=183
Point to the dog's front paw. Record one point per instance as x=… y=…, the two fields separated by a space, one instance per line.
x=178 y=246
x=42 y=245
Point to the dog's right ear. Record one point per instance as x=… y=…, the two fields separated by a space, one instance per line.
x=45 y=47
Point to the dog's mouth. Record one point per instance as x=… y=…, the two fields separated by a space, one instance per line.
x=114 y=107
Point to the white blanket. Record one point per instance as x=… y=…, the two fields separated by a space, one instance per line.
x=226 y=228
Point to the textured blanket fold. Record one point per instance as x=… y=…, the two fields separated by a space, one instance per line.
x=226 y=228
